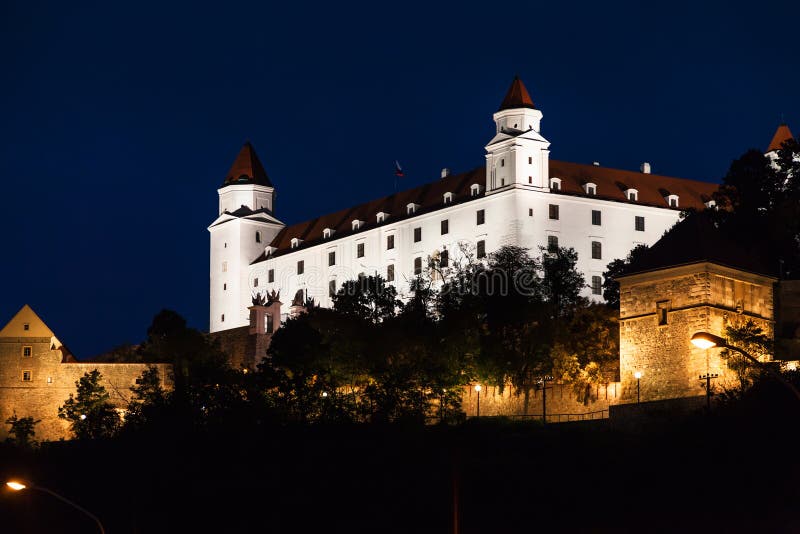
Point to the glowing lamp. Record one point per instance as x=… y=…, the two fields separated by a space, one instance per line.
x=637 y=375
x=16 y=486
x=704 y=340
x=478 y=388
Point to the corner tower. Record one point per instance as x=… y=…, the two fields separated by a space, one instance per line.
x=245 y=226
x=517 y=155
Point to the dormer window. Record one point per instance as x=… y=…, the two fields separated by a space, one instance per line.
x=412 y=208
x=296 y=242
x=269 y=251
x=357 y=224
x=555 y=184
x=710 y=204
x=590 y=188
x=327 y=233
x=448 y=198
x=632 y=194
x=381 y=216
x=475 y=190
x=672 y=201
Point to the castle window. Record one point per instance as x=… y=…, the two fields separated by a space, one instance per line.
x=530 y=179
x=530 y=212
x=49 y=379
x=258 y=237
x=596 y=217
x=27 y=376
x=417 y=266
x=271 y=276
x=444 y=258
x=597 y=250
x=530 y=160
x=555 y=184
x=554 y=211
x=389 y=242
x=222 y=318
x=502 y=162
x=445 y=226
x=639 y=224
x=596 y=285
x=448 y=198
x=552 y=243
x=27 y=352
x=710 y=204
x=255 y=282
x=224 y=266
x=390 y=272
x=327 y=233
x=590 y=188
x=360 y=250
x=357 y=224
x=301 y=267
x=502 y=182
x=296 y=242
x=412 y=208
x=480 y=217
x=268 y=324
x=26 y=327
x=481 y=252
x=381 y=216
x=224 y=287
x=417 y=234
x=332 y=288
x=661 y=312
x=632 y=195
x=672 y=200
x=474 y=190
x=332 y=258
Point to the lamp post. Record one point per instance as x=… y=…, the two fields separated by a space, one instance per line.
x=16 y=485
x=478 y=410
x=638 y=376
x=708 y=377
x=704 y=340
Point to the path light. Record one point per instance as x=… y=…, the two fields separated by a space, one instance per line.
x=478 y=411
x=638 y=376
x=16 y=486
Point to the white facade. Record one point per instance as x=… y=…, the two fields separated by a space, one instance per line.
x=516 y=199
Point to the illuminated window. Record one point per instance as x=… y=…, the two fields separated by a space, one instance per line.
x=596 y=217
x=360 y=250
x=554 y=211
x=49 y=379
x=27 y=352
x=481 y=253
x=390 y=272
x=389 y=242
x=480 y=217
x=27 y=376
x=597 y=250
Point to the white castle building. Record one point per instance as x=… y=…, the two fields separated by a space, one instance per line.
x=521 y=197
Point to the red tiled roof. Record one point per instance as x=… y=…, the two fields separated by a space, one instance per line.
x=781 y=134
x=247 y=169
x=517 y=96
x=611 y=183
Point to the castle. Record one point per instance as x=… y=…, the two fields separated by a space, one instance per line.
x=520 y=197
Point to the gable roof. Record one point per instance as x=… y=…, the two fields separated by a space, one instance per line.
x=26 y=316
x=517 y=96
x=697 y=239
x=783 y=133
x=611 y=184
x=247 y=169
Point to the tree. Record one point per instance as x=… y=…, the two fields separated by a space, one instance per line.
x=368 y=298
x=614 y=270
x=22 y=430
x=89 y=412
x=149 y=401
x=562 y=282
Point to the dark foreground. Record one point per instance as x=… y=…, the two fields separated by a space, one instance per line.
x=698 y=475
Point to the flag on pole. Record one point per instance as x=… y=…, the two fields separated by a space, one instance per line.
x=398 y=170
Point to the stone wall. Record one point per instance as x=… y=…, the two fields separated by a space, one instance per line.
x=51 y=382
x=659 y=313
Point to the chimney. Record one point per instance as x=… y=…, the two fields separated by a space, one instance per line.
x=645 y=168
x=596 y=163
x=445 y=172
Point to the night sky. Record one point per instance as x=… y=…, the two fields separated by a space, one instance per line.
x=119 y=120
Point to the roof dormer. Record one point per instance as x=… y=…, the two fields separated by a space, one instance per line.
x=381 y=216
x=357 y=224
x=632 y=194
x=412 y=208
x=295 y=242
x=475 y=190
x=447 y=198
x=590 y=188
x=672 y=200
x=327 y=233
x=269 y=250
x=555 y=184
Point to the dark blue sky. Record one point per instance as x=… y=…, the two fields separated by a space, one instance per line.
x=119 y=120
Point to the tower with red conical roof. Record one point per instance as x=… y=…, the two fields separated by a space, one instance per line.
x=241 y=233
x=518 y=155
x=782 y=134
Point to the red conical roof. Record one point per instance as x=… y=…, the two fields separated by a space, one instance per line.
x=781 y=134
x=247 y=169
x=517 y=96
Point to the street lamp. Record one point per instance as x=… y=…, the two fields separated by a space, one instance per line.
x=705 y=340
x=19 y=486
x=638 y=376
x=478 y=411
